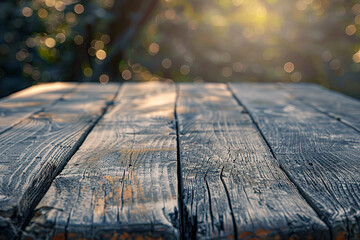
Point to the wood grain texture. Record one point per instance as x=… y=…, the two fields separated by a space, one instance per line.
x=318 y=153
x=18 y=106
x=336 y=105
x=232 y=185
x=34 y=151
x=122 y=182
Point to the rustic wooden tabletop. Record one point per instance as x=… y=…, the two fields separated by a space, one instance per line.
x=193 y=161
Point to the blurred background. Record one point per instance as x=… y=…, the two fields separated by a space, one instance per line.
x=184 y=40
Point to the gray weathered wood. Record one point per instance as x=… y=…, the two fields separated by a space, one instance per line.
x=22 y=104
x=319 y=153
x=336 y=105
x=232 y=185
x=122 y=182
x=34 y=151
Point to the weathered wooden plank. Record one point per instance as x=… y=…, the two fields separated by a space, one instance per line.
x=21 y=105
x=336 y=105
x=34 y=151
x=319 y=153
x=232 y=185
x=122 y=182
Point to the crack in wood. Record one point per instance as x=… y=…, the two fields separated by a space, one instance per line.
x=230 y=205
x=179 y=173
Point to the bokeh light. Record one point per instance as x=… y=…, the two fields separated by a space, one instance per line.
x=50 y=42
x=101 y=54
x=289 y=67
x=104 y=79
x=79 y=8
x=154 y=48
x=27 y=12
x=126 y=75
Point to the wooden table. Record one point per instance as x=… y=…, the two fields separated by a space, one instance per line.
x=197 y=161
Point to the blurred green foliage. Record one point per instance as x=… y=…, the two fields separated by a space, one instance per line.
x=258 y=40
x=66 y=40
x=198 y=40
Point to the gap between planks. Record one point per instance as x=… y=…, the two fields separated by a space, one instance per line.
x=206 y=229
x=291 y=89
x=316 y=210
x=108 y=106
x=338 y=210
x=147 y=117
x=179 y=173
x=15 y=227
